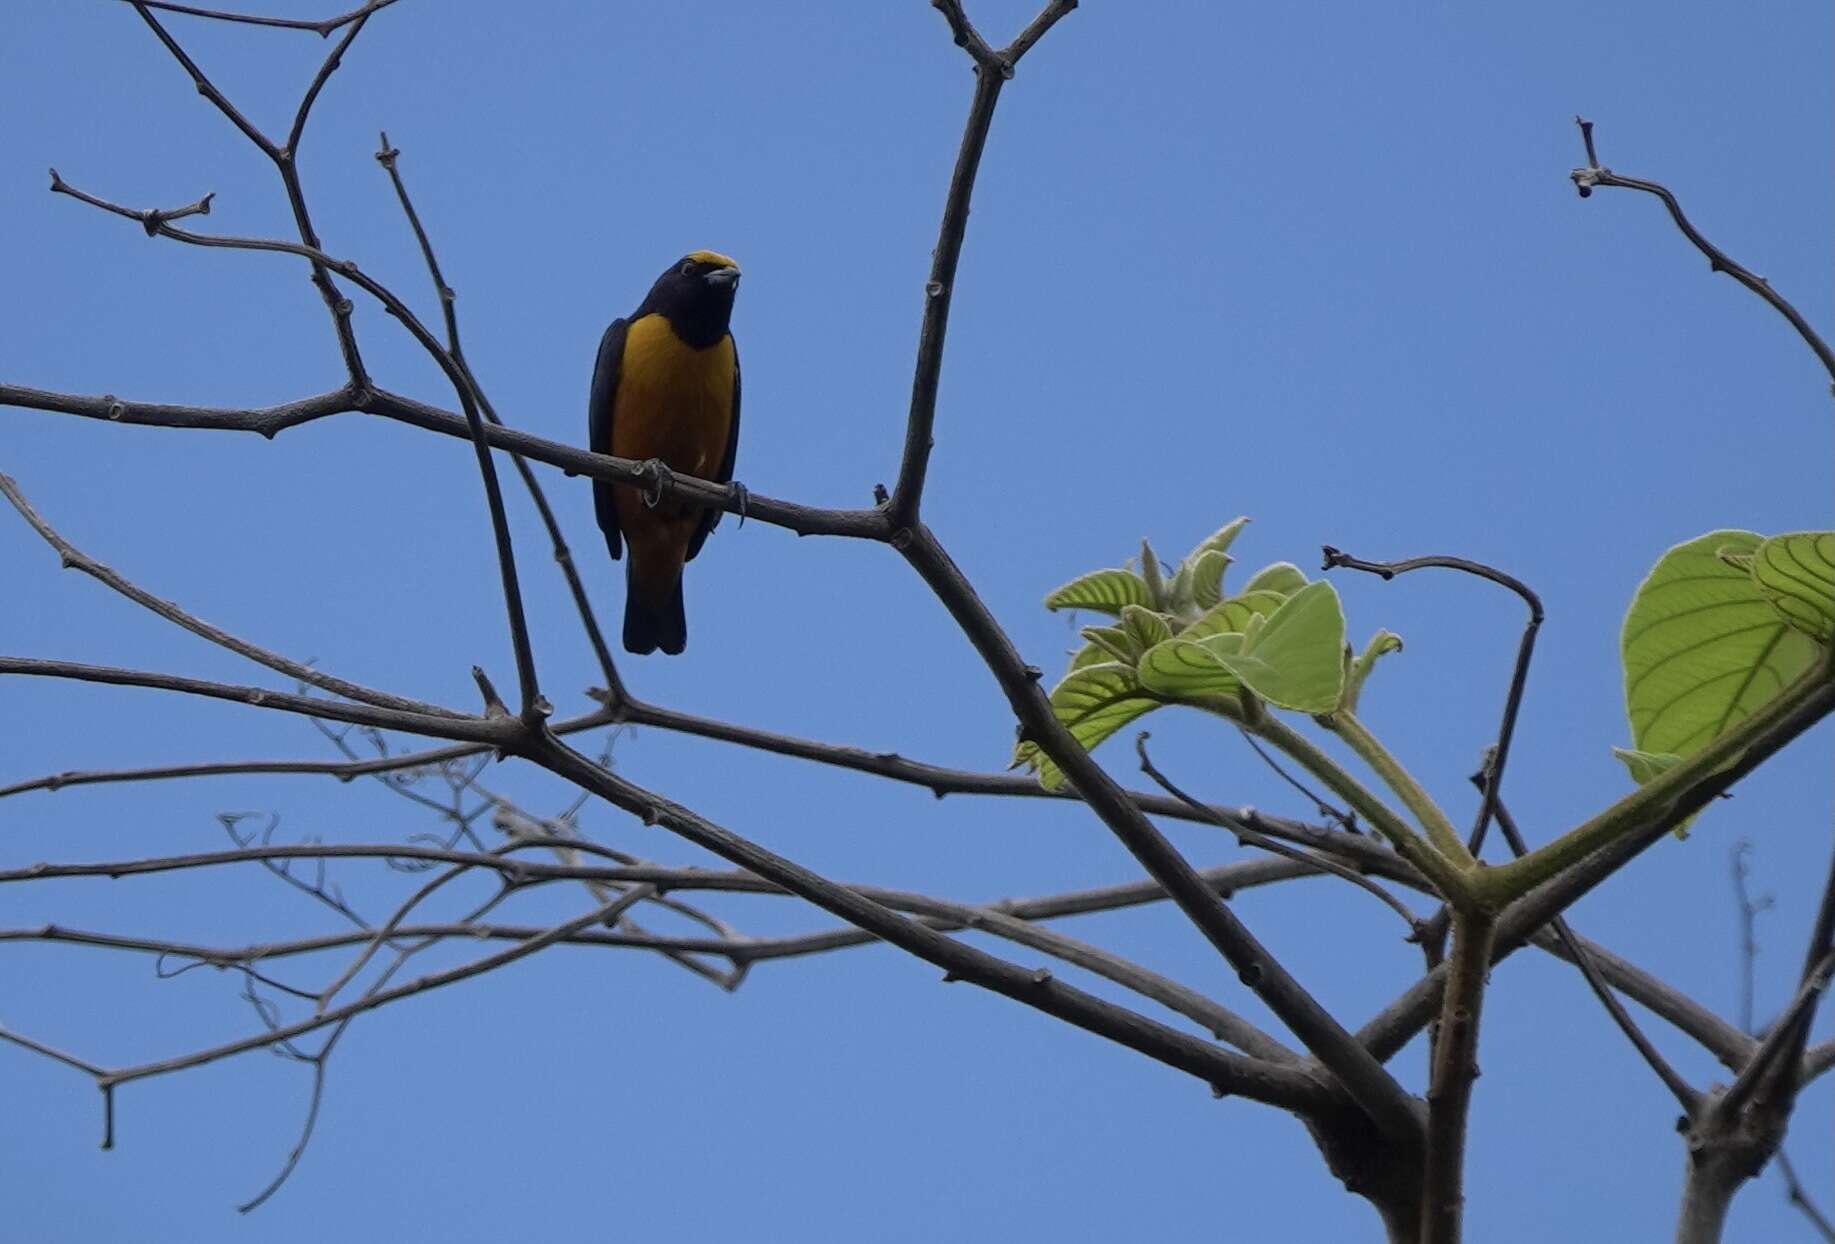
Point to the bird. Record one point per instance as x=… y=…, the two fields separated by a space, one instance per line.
x=666 y=388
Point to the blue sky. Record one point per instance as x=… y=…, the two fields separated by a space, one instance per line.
x=1317 y=264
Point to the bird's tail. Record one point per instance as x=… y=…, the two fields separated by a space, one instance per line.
x=653 y=615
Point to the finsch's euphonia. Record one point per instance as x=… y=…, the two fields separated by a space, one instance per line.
x=666 y=386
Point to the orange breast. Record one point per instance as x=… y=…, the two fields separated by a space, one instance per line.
x=674 y=402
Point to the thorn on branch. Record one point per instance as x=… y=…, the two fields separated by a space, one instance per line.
x=1586 y=136
x=493 y=703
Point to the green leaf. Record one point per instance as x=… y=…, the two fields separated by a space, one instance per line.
x=1105 y=591
x=1283 y=577
x=1220 y=540
x=1703 y=647
x=1093 y=703
x=1184 y=669
x=1381 y=644
x=1645 y=766
x=1233 y=614
x=1145 y=628
x=1112 y=643
x=1206 y=577
x=1796 y=573
x=1150 y=574
x=1089 y=654
x=1295 y=658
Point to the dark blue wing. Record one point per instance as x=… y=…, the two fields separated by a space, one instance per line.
x=711 y=518
x=599 y=428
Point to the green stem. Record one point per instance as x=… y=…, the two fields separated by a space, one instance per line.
x=1440 y=831
x=1455 y=1069
x=1658 y=799
x=1452 y=884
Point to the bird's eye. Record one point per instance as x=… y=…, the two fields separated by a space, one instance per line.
x=688 y=268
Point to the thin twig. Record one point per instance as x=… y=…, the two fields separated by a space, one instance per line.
x=74 y=558
x=321 y=28
x=908 y=489
x=1519 y=675
x=1796 y=711
x=1596 y=174
x=1749 y=909
x=1686 y=1095
x=1253 y=1078
x=1795 y=1193
x=1331 y=812
x=1247 y=834
x=533 y=707
x=389 y=157
x=285 y=163
x=473 y=729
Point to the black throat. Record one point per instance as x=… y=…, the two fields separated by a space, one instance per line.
x=699 y=316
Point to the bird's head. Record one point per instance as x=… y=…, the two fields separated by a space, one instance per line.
x=696 y=294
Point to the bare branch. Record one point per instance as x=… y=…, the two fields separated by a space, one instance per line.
x=806 y=520
x=267 y=421
x=205 y=87
x=1596 y=174
x=1775 y=1048
x=328 y=67
x=1795 y=1193
x=1394 y=1110
x=421 y=984
x=75 y=559
x=1686 y=1095
x=1250 y=836
x=908 y=489
x=389 y=158
x=1035 y=31
x=472 y=729
x=321 y=28
x=283 y=158
x=533 y=706
x=964 y=33
x=1252 y=1078
x=1721 y=1039
x=1796 y=710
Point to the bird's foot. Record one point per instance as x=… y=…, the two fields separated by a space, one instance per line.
x=657 y=476
x=743 y=497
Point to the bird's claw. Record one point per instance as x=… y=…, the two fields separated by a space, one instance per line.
x=744 y=499
x=656 y=475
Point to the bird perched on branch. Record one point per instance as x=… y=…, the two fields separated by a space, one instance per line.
x=666 y=388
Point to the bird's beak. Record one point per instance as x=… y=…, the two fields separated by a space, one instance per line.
x=728 y=275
